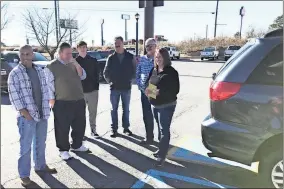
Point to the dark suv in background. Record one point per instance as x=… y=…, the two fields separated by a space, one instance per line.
x=246 y=120
x=10 y=59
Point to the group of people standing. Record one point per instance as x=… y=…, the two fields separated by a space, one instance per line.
x=68 y=85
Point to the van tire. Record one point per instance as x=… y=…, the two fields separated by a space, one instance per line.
x=266 y=166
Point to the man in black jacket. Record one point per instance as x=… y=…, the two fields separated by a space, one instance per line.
x=90 y=84
x=119 y=73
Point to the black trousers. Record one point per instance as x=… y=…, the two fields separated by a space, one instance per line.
x=66 y=114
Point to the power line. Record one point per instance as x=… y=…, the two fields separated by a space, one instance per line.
x=117 y=10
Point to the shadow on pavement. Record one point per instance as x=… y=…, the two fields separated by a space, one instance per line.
x=5 y=99
x=51 y=181
x=108 y=176
x=143 y=164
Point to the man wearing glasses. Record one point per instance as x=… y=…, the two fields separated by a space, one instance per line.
x=145 y=65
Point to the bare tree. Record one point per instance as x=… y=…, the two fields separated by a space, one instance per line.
x=5 y=20
x=254 y=33
x=41 y=25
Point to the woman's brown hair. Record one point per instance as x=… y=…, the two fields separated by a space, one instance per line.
x=166 y=57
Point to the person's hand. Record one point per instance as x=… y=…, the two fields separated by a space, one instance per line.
x=157 y=92
x=77 y=66
x=147 y=91
x=137 y=58
x=110 y=83
x=51 y=103
x=26 y=114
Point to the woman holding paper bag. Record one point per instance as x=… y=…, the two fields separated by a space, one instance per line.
x=162 y=90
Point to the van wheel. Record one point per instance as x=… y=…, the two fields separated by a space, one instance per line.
x=271 y=169
x=173 y=57
x=202 y=59
x=178 y=57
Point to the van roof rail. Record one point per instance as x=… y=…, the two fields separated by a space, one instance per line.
x=274 y=33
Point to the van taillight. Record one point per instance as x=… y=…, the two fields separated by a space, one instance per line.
x=223 y=90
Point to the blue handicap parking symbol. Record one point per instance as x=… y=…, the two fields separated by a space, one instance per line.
x=159 y=174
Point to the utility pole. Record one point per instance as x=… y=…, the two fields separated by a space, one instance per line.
x=102 y=31
x=206 y=31
x=70 y=37
x=216 y=18
x=56 y=20
x=148 y=20
x=149 y=6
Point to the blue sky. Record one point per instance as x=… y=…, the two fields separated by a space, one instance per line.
x=169 y=21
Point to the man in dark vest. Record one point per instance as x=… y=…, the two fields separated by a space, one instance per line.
x=119 y=72
x=64 y=77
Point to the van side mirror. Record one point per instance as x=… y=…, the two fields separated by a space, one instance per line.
x=213 y=76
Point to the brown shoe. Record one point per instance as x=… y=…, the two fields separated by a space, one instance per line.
x=47 y=170
x=26 y=181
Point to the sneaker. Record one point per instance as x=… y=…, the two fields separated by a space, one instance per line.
x=160 y=162
x=81 y=149
x=147 y=142
x=127 y=131
x=65 y=155
x=113 y=134
x=156 y=154
x=26 y=182
x=94 y=134
x=47 y=170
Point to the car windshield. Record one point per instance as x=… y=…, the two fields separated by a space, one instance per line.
x=39 y=57
x=168 y=48
x=209 y=49
x=95 y=55
x=234 y=48
x=130 y=49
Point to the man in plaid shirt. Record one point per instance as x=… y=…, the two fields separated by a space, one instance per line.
x=145 y=65
x=28 y=93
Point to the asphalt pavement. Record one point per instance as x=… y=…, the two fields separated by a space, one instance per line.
x=122 y=162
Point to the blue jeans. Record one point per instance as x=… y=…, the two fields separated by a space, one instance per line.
x=31 y=132
x=115 y=96
x=147 y=117
x=163 y=117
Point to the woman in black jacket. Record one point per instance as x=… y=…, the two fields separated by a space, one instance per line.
x=162 y=90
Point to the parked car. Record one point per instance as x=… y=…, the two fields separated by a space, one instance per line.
x=246 y=119
x=101 y=61
x=131 y=50
x=174 y=54
x=209 y=53
x=105 y=54
x=10 y=59
x=232 y=49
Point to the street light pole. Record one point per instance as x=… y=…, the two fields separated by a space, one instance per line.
x=137 y=40
x=242 y=13
x=102 y=31
x=216 y=18
x=70 y=37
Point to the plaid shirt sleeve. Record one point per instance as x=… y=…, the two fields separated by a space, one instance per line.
x=50 y=83
x=14 y=91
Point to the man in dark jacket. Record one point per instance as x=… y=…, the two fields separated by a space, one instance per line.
x=119 y=72
x=90 y=84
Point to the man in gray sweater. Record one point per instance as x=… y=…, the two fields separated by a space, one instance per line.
x=64 y=77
